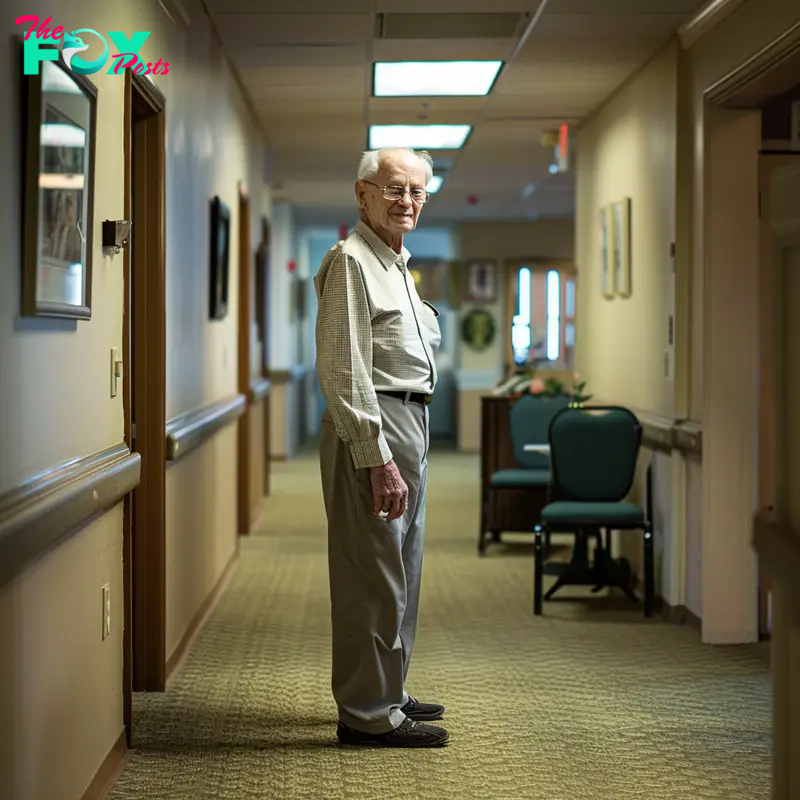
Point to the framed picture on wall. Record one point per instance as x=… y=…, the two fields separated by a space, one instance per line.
x=219 y=258
x=622 y=247
x=480 y=281
x=59 y=193
x=606 y=252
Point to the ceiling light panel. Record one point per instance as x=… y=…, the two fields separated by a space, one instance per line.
x=419 y=137
x=434 y=78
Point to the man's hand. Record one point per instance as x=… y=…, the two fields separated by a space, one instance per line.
x=389 y=491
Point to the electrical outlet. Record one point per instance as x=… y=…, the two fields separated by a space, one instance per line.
x=106 y=592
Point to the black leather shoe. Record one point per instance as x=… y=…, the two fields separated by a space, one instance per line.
x=422 y=712
x=408 y=734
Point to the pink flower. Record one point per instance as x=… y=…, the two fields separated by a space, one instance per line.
x=537 y=386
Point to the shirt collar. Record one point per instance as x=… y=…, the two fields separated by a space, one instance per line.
x=385 y=254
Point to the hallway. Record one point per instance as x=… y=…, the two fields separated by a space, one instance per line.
x=589 y=701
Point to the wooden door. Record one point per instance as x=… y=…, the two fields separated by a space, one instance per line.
x=144 y=389
x=779 y=351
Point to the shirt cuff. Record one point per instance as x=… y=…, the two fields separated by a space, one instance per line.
x=370 y=452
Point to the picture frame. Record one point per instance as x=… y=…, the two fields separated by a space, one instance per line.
x=60 y=117
x=622 y=246
x=219 y=258
x=480 y=281
x=606 y=253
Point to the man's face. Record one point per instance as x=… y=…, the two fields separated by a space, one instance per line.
x=395 y=217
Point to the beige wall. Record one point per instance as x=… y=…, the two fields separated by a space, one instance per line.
x=62 y=684
x=510 y=243
x=628 y=150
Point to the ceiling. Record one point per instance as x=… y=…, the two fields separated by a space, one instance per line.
x=308 y=71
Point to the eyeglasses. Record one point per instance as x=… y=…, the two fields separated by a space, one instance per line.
x=395 y=193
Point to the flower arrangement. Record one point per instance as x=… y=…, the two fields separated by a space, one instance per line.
x=526 y=381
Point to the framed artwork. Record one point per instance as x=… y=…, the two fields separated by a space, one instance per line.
x=480 y=281
x=622 y=247
x=61 y=124
x=262 y=291
x=478 y=329
x=606 y=252
x=219 y=258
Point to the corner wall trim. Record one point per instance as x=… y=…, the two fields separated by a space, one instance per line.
x=259 y=390
x=39 y=513
x=189 y=430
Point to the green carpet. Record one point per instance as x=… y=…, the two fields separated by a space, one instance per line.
x=589 y=702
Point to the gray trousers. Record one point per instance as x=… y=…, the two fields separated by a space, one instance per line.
x=375 y=570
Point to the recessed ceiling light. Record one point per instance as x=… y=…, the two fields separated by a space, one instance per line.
x=435 y=184
x=434 y=78
x=418 y=137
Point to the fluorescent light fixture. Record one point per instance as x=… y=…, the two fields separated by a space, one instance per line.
x=435 y=184
x=418 y=137
x=56 y=134
x=434 y=78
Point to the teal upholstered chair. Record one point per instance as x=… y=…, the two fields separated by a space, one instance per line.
x=529 y=423
x=593 y=457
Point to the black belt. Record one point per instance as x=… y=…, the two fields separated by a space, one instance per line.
x=410 y=397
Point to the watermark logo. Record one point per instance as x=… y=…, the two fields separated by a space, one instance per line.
x=74 y=42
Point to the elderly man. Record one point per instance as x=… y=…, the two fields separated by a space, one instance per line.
x=375 y=362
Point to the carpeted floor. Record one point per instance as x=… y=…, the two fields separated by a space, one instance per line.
x=589 y=702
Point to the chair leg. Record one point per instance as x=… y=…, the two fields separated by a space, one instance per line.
x=538 y=570
x=649 y=573
x=496 y=537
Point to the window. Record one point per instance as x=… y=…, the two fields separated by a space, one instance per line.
x=553 y=315
x=521 y=323
x=536 y=327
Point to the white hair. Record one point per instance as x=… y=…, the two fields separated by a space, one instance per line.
x=370 y=164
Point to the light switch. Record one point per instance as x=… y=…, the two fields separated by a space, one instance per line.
x=116 y=371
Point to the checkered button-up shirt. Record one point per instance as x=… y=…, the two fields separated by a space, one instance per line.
x=373 y=334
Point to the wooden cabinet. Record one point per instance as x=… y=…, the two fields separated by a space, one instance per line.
x=515 y=510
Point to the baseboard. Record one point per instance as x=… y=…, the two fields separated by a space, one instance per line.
x=255 y=515
x=110 y=770
x=680 y=615
x=199 y=620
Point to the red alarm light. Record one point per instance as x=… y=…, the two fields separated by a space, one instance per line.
x=292 y=265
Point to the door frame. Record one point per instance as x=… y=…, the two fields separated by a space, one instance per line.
x=144 y=360
x=261 y=289
x=770 y=357
x=244 y=466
